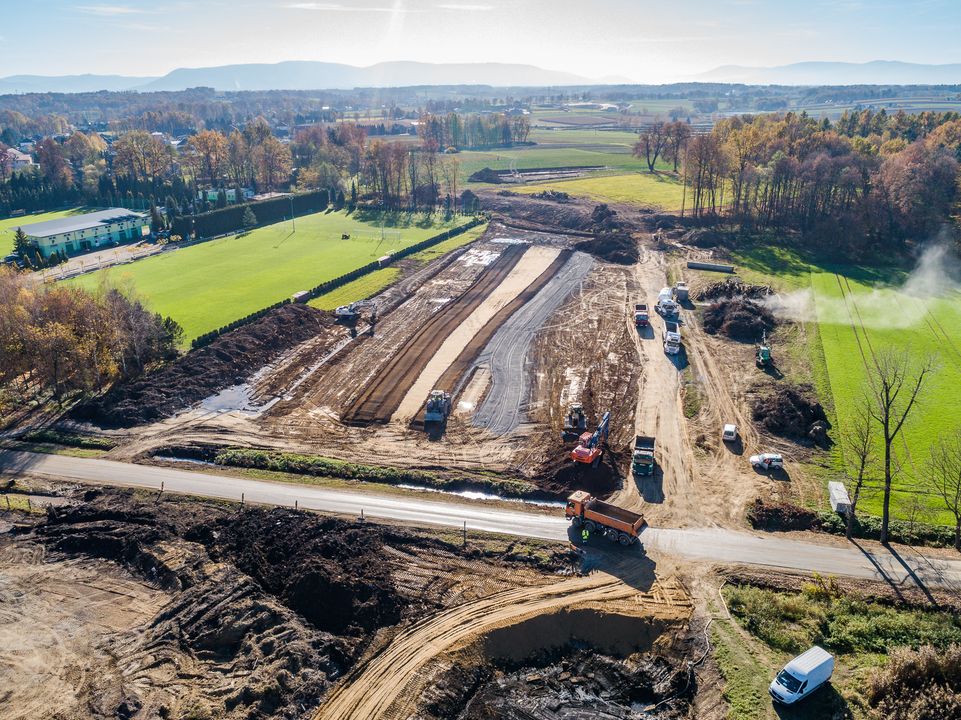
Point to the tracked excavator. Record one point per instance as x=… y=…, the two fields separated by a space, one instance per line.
x=589 y=450
x=350 y=314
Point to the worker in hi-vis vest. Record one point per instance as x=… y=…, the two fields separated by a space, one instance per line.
x=585 y=535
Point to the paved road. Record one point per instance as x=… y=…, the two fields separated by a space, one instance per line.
x=707 y=544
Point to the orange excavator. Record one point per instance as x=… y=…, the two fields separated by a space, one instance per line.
x=589 y=450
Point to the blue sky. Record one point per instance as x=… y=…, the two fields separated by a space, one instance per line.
x=639 y=39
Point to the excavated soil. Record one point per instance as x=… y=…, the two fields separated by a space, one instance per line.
x=791 y=412
x=579 y=685
x=229 y=360
x=738 y=319
x=187 y=609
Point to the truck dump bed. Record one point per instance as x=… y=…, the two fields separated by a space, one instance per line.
x=643 y=442
x=612 y=511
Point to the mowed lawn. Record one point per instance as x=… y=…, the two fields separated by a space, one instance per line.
x=875 y=318
x=657 y=190
x=8 y=226
x=208 y=285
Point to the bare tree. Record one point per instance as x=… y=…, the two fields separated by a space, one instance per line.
x=677 y=134
x=651 y=144
x=895 y=384
x=859 y=455
x=945 y=470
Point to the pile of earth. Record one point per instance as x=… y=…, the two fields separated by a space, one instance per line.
x=486 y=175
x=767 y=515
x=229 y=360
x=553 y=195
x=703 y=238
x=612 y=239
x=732 y=288
x=560 y=475
x=791 y=412
x=738 y=319
x=578 y=685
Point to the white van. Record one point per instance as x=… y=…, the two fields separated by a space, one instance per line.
x=665 y=302
x=802 y=676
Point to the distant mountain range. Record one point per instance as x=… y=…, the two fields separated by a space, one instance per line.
x=877 y=72
x=305 y=75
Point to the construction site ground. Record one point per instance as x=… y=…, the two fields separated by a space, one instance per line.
x=119 y=605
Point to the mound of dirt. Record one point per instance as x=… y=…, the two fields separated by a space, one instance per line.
x=791 y=412
x=229 y=360
x=732 y=288
x=738 y=319
x=560 y=475
x=553 y=195
x=486 y=175
x=703 y=238
x=612 y=239
x=766 y=515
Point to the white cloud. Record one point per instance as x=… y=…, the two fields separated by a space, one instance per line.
x=110 y=10
x=467 y=7
x=334 y=7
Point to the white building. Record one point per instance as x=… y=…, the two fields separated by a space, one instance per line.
x=81 y=233
x=19 y=160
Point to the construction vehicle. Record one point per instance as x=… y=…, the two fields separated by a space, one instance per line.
x=643 y=461
x=681 y=292
x=596 y=516
x=672 y=337
x=762 y=354
x=641 y=317
x=438 y=407
x=589 y=450
x=575 y=423
x=350 y=314
x=665 y=302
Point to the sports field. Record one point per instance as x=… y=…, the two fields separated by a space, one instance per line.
x=8 y=226
x=208 y=285
x=640 y=188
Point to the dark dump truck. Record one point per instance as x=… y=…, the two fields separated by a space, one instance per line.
x=643 y=460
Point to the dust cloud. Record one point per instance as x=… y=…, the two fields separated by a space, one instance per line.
x=936 y=275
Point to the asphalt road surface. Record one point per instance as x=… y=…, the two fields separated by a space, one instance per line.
x=902 y=567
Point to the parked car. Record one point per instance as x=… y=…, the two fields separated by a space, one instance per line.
x=767 y=461
x=802 y=676
x=729 y=434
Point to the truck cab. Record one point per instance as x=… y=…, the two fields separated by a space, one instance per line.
x=665 y=302
x=641 y=316
x=672 y=337
x=802 y=676
x=643 y=459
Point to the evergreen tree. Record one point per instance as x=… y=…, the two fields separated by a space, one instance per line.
x=249 y=220
x=221 y=199
x=157 y=223
x=341 y=200
x=20 y=243
x=353 y=194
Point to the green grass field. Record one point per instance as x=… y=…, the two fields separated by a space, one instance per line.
x=208 y=285
x=376 y=281
x=863 y=310
x=661 y=191
x=8 y=226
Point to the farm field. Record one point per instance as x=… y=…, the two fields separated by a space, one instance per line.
x=859 y=309
x=662 y=191
x=892 y=318
x=8 y=226
x=208 y=285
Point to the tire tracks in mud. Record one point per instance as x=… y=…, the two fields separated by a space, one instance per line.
x=384 y=393
x=387 y=685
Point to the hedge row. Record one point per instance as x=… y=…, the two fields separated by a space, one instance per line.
x=87 y=442
x=231 y=219
x=209 y=337
x=325 y=467
x=341 y=280
x=786 y=516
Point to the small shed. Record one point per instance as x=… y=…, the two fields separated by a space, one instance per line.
x=384 y=260
x=840 y=502
x=300 y=296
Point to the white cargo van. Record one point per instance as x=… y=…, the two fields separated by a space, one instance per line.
x=802 y=676
x=665 y=302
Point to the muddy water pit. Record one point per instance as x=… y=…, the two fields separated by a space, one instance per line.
x=577 y=664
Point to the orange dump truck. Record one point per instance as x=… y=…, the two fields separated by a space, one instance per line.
x=597 y=516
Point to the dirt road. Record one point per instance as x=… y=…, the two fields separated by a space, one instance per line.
x=387 y=685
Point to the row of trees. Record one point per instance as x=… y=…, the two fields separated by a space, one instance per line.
x=59 y=339
x=791 y=171
x=473 y=131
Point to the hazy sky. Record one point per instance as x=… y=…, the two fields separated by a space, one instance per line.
x=647 y=41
